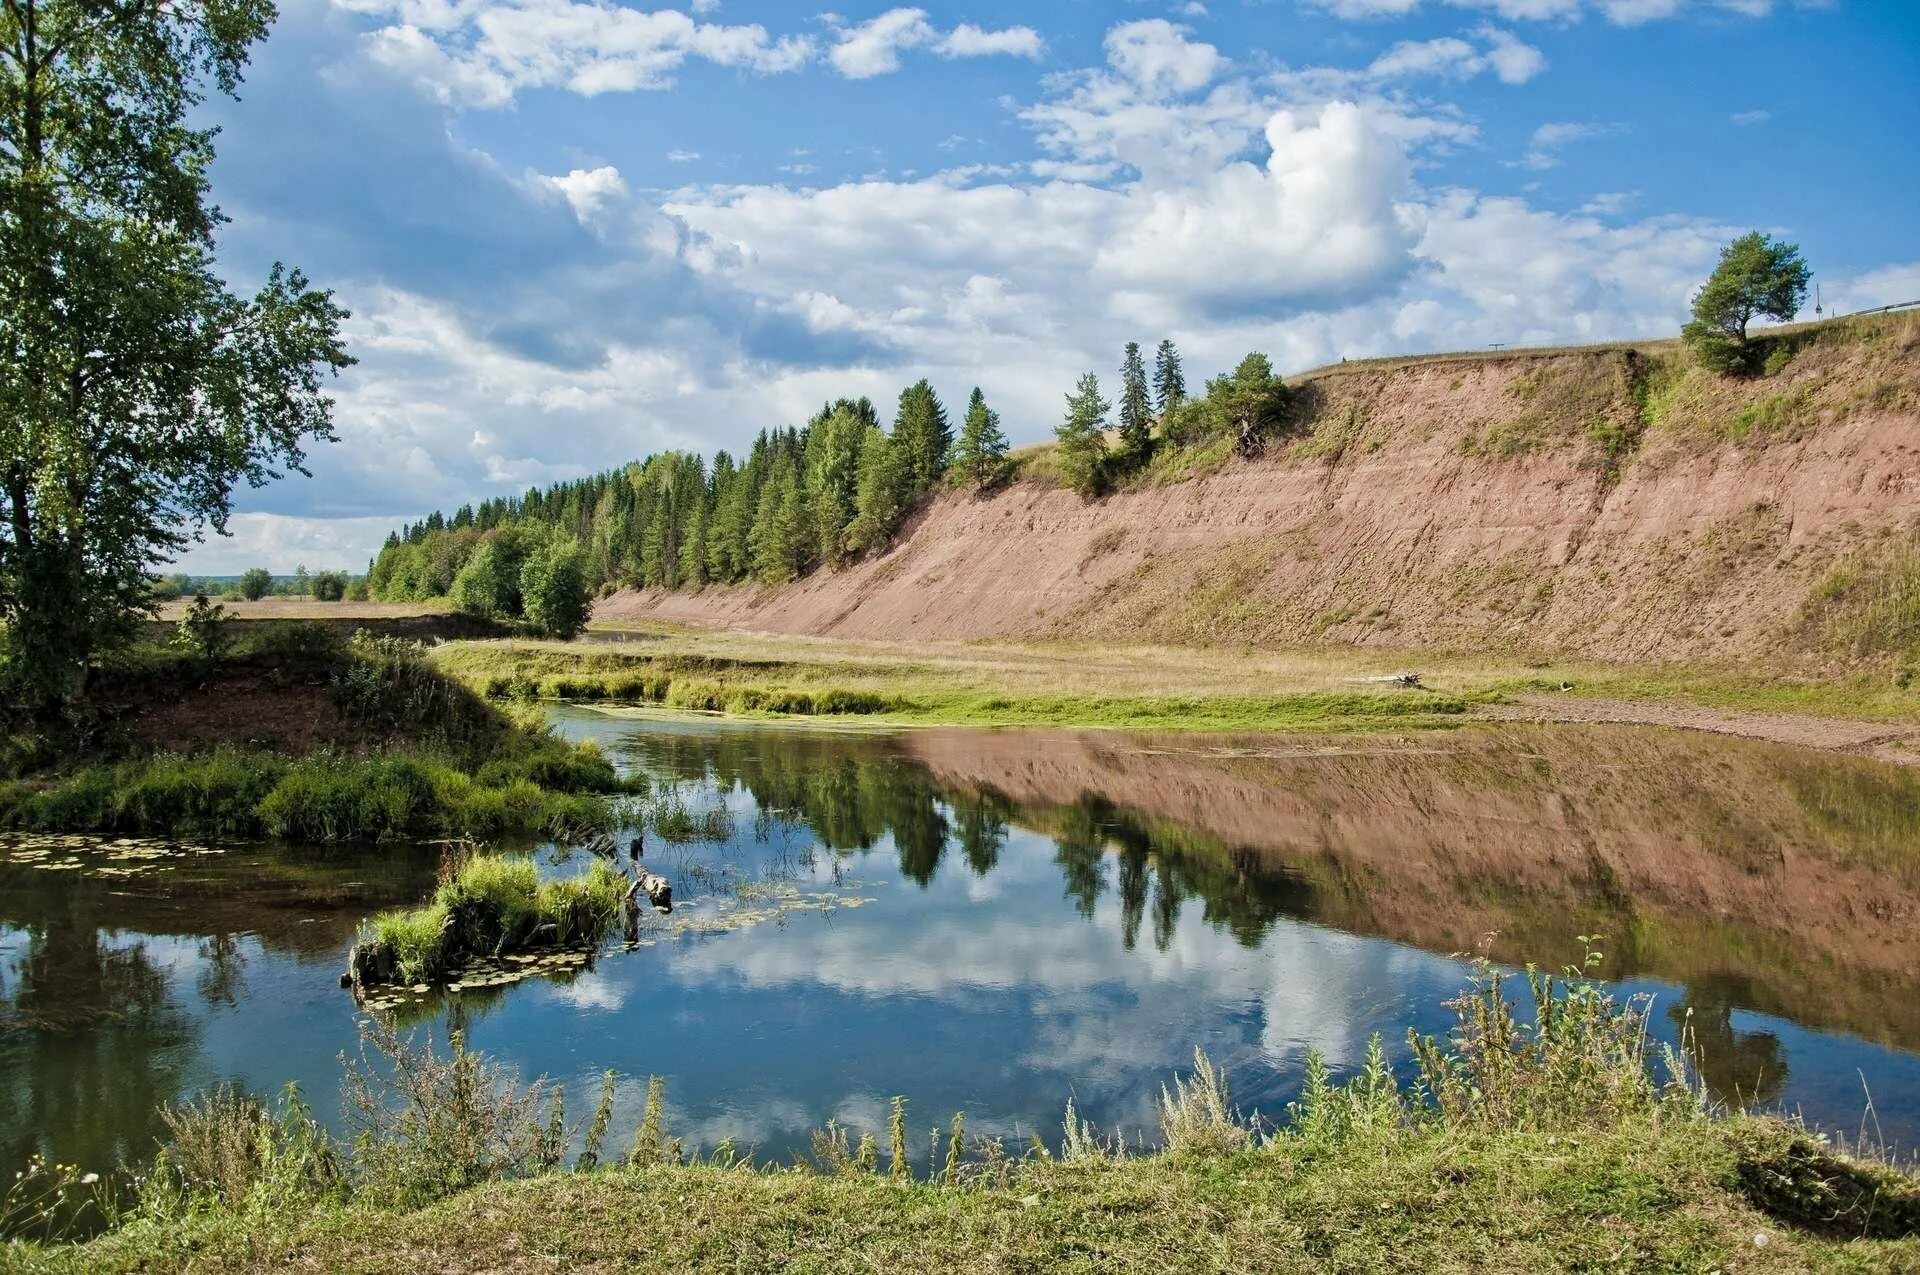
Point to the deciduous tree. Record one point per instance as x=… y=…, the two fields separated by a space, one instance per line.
x=1757 y=277
x=136 y=390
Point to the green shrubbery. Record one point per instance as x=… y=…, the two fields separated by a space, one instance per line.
x=490 y=905
x=395 y=795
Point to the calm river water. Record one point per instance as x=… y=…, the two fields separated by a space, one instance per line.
x=993 y=922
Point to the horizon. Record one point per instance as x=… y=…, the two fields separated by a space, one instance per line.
x=572 y=234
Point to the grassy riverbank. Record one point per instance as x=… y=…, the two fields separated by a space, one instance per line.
x=300 y=733
x=1536 y=1143
x=1061 y=684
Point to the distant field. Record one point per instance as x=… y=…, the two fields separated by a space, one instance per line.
x=283 y=608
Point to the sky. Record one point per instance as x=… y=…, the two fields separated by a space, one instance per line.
x=572 y=232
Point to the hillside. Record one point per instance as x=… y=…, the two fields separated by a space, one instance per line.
x=1609 y=501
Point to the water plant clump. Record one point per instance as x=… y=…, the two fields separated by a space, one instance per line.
x=487 y=907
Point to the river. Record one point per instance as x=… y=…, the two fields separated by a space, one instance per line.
x=997 y=921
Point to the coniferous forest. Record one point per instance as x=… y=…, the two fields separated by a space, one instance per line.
x=819 y=495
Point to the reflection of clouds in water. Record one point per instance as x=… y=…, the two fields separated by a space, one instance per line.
x=1098 y=1015
x=590 y=991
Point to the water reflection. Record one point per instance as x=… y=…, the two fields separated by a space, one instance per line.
x=1054 y=914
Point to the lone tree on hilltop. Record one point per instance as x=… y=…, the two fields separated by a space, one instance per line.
x=1083 y=446
x=136 y=390
x=1757 y=277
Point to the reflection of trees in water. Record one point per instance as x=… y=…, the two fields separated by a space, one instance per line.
x=96 y=1046
x=1739 y=1068
x=852 y=793
x=223 y=973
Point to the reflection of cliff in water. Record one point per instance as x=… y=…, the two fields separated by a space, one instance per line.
x=1759 y=877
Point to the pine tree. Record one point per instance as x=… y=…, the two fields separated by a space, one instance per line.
x=1136 y=409
x=980 y=458
x=921 y=431
x=1083 y=447
x=882 y=495
x=1169 y=382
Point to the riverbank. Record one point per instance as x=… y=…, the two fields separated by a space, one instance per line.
x=1633 y=1199
x=1174 y=688
x=1520 y=1148
x=298 y=732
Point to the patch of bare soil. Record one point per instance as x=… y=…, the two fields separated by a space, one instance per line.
x=285 y=709
x=1884 y=740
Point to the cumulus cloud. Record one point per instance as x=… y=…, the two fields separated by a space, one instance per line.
x=519 y=327
x=864 y=50
x=1618 y=12
x=483 y=53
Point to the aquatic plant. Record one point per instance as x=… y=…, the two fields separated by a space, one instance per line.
x=488 y=906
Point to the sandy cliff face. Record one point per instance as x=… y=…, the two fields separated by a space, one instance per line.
x=1589 y=502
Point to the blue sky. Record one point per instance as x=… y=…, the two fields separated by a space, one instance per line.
x=574 y=232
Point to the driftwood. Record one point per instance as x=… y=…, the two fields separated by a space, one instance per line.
x=1409 y=680
x=658 y=890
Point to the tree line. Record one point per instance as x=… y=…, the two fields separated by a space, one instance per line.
x=801 y=498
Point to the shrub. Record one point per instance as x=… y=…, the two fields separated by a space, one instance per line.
x=553 y=589
x=330 y=586
x=203 y=630
x=255 y=583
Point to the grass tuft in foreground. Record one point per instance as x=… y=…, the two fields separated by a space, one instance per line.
x=1550 y=1141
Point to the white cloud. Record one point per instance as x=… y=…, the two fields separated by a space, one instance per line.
x=864 y=50
x=482 y=53
x=1747 y=119
x=1543 y=150
x=1510 y=59
x=1618 y=12
x=1156 y=56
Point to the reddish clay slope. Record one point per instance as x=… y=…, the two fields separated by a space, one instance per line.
x=1602 y=502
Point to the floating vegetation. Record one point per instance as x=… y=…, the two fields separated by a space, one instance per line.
x=97 y=856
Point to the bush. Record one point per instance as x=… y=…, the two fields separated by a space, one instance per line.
x=330 y=586
x=255 y=583
x=203 y=630
x=553 y=589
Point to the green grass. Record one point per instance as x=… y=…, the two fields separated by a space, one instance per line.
x=397 y=794
x=894 y=693
x=493 y=905
x=1537 y=1142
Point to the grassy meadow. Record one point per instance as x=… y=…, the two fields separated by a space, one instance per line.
x=1008 y=683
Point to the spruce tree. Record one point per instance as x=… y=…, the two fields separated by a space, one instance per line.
x=921 y=431
x=882 y=495
x=1136 y=409
x=1169 y=382
x=1083 y=446
x=980 y=457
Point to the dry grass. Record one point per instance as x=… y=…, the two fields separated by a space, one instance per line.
x=292 y=608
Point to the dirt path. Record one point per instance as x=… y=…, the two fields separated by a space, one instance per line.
x=1888 y=741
